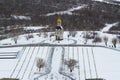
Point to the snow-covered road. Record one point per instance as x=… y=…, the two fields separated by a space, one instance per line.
x=69 y=11
x=108 y=26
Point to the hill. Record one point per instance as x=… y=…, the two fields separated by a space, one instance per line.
x=92 y=17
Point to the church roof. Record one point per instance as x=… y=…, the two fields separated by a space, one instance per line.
x=59 y=20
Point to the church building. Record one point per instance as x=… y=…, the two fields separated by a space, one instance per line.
x=59 y=30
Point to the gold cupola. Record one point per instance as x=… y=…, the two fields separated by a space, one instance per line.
x=59 y=21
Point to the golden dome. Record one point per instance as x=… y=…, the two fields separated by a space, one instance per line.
x=59 y=20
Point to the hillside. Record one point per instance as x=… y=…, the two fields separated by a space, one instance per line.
x=93 y=16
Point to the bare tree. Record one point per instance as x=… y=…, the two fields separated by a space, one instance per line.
x=15 y=39
x=39 y=34
x=68 y=37
x=15 y=34
x=45 y=34
x=40 y=63
x=29 y=36
x=96 y=39
x=105 y=39
x=70 y=64
x=72 y=33
x=114 y=41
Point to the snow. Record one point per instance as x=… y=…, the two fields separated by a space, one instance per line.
x=109 y=1
x=56 y=61
x=65 y=41
x=5 y=50
x=21 y=17
x=108 y=26
x=105 y=61
x=35 y=27
x=22 y=40
x=110 y=61
x=106 y=0
x=7 y=64
x=117 y=0
x=25 y=66
x=45 y=38
x=69 y=11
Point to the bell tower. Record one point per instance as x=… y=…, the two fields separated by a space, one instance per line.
x=59 y=30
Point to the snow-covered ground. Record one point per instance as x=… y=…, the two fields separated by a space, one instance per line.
x=106 y=64
x=22 y=39
x=69 y=11
x=9 y=53
x=45 y=38
x=23 y=67
x=108 y=26
x=35 y=27
x=56 y=61
x=109 y=1
x=92 y=62
x=21 y=17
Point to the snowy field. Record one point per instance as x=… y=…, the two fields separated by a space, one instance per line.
x=91 y=62
x=94 y=63
x=77 y=39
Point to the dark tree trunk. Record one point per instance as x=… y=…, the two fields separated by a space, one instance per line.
x=15 y=41
x=106 y=43
x=115 y=45
x=70 y=70
x=39 y=69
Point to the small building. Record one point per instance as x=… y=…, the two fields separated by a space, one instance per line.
x=59 y=30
